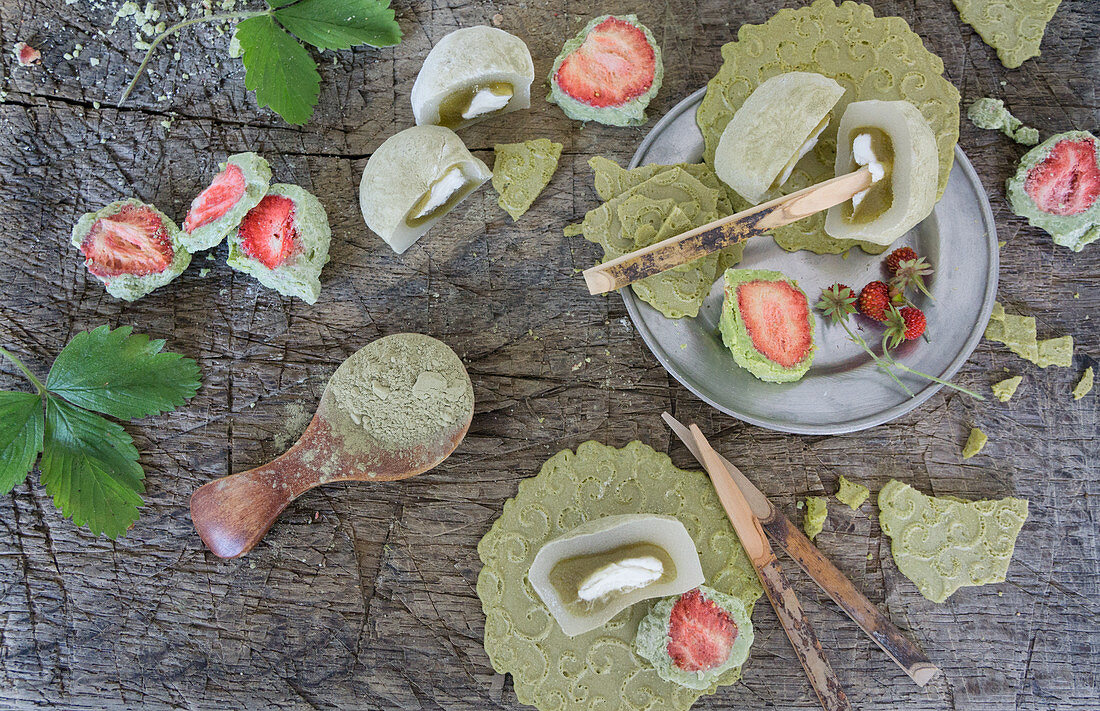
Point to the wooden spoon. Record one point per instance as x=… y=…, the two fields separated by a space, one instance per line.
x=233 y=513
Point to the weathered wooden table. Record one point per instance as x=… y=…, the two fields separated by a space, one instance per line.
x=362 y=596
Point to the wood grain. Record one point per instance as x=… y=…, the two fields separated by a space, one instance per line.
x=362 y=596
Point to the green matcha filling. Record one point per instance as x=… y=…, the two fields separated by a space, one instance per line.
x=452 y=108
x=851 y=493
x=1084 y=385
x=416 y=215
x=521 y=172
x=1012 y=27
x=569 y=574
x=991 y=115
x=813 y=520
x=880 y=196
x=974 y=443
x=942 y=544
x=1005 y=389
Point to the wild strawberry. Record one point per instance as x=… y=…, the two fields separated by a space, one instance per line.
x=915 y=322
x=911 y=273
x=700 y=633
x=268 y=233
x=904 y=325
x=902 y=254
x=874 y=300
x=837 y=302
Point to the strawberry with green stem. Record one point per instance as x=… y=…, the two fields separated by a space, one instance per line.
x=838 y=302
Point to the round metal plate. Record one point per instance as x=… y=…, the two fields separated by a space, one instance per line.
x=844 y=391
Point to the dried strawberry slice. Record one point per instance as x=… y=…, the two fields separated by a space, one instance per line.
x=268 y=233
x=219 y=198
x=701 y=634
x=1067 y=182
x=132 y=241
x=776 y=315
x=614 y=65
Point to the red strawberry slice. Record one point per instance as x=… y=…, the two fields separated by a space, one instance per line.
x=614 y=65
x=776 y=315
x=267 y=232
x=701 y=634
x=1068 y=181
x=132 y=241
x=27 y=55
x=216 y=200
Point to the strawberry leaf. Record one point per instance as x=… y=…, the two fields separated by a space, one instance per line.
x=89 y=466
x=278 y=69
x=341 y=24
x=21 y=425
x=121 y=374
x=276 y=4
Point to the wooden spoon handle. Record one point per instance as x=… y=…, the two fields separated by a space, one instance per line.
x=711 y=237
x=233 y=513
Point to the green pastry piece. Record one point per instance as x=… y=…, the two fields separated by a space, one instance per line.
x=300 y=276
x=131 y=287
x=653 y=639
x=644 y=214
x=991 y=114
x=1084 y=385
x=1068 y=230
x=1055 y=351
x=974 y=443
x=1012 y=27
x=736 y=335
x=943 y=544
x=872 y=58
x=851 y=493
x=598 y=669
x=1016 y=332
x=256 y=172
x=521 y=171
x=813 y=520
x=1005 y=389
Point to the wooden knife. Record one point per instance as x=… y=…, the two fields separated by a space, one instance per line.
x=790 y=538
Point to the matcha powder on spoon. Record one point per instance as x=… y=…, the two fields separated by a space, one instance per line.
x=405 y=390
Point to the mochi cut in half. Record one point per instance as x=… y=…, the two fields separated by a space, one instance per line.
x=904 y=147
x=415 y=178
x=778 y=124
x=470 y=75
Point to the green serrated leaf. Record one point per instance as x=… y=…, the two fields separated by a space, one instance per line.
x=276 y=4
x=278 y=69
x=21 y=426
x=121 y=374
x=341 y=24
x=89 y=466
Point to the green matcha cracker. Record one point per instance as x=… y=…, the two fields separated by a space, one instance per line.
x=871 y=57
x=300 y=275
x=1084 y=385
x=991 y=114
x=1005 y=389
x=1055 y=351
x=522 y=171
x=813 y=520
x=1012 y=27
x=1019 y=334
x=974 y=443
x=851 y=493
x=942 y=544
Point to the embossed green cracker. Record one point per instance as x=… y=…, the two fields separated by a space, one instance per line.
x=974 y=443
x=1005 y=389
x=943 y=544
x=644 y=214
x=991 y=115
x=598 y=669
x=1012 y=27
x=852 y=493
x=1018 y=333
x=813 y=520
x=871 y=57
x=521 y=171
x=1084 y=385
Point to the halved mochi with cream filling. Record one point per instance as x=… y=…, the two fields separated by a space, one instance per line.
x=470 y=75
x=894 y=140
x=415 y=178
x=778 y=124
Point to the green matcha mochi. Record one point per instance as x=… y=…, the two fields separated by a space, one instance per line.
x=284 y=242
x=767 y=324
x=705 y=611
x=217 y=210
x=131 y=247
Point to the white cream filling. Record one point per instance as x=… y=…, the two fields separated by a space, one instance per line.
x=864 y=155
x=442 y=190
x=485 y=101
x=621 y=577
x=807 y=146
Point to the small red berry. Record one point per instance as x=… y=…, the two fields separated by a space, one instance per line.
x=914 y=322
x=874 y=300
x=902 y=254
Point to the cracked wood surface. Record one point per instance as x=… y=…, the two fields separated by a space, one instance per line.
x=362 y=596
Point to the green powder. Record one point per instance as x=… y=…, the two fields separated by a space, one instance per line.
x=405 y=390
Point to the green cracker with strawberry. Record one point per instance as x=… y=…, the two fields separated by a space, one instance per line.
x=219 y=209
x=767 y=324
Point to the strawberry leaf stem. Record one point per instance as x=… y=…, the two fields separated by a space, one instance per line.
x=26 y=371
